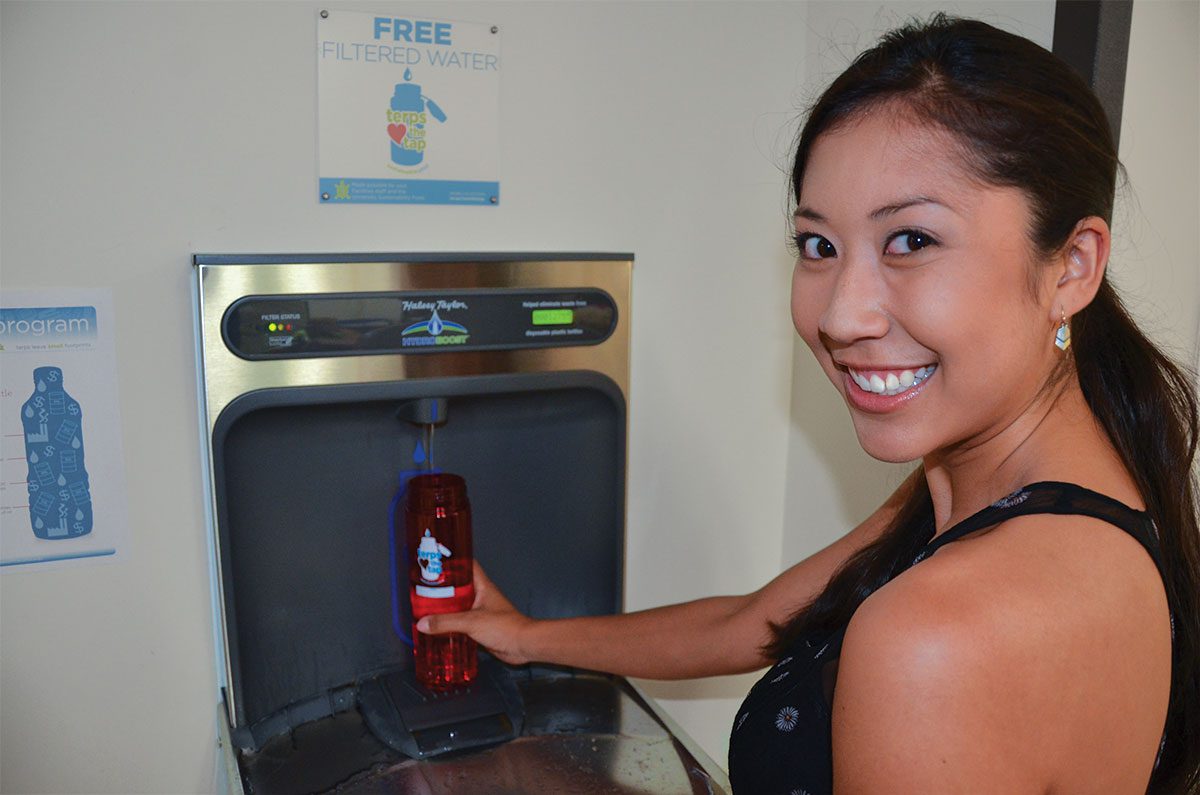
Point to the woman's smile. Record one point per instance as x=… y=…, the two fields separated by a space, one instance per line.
x=879 y=389
x=887 y=380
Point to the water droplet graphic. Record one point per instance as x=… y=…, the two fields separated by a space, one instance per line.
x=41 y=385
x=419 y=453
x=78 y=515
x=38 y=524
x=435 y=325
x=407 y=74
x=29 y=411
x=75 y=442
x=33 y=458
x=62 y=480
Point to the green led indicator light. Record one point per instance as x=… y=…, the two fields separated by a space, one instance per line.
x=553 y=317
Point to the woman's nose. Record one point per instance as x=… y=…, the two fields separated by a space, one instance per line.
x=855 y=309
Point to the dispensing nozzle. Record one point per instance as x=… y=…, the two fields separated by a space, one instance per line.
x=427 y=413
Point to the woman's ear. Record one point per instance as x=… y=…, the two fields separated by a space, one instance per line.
x=1080 y=267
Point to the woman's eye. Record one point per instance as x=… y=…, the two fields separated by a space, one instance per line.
x=907 y=241
x=814 y=246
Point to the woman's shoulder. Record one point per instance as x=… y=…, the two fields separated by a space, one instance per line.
x=1028 y=641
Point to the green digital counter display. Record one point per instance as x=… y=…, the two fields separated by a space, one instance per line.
x=553 y=317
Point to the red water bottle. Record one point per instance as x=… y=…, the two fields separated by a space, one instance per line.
x=438 y=533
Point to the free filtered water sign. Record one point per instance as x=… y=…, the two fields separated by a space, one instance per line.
x=408 y=110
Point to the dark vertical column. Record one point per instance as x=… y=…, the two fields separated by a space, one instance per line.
x=1093 y=36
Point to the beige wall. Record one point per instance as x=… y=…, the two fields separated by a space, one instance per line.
x=1156 y=226
x=132 y=135
x=136 y=134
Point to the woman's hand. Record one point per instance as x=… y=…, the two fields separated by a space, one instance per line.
x=705 y=637
x=492 y=622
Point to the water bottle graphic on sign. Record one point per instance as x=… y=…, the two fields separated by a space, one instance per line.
x=407 y=120
x=60 y=501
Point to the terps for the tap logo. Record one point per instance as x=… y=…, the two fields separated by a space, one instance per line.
x=429 y=558
x=407 y=119
x=434 y=331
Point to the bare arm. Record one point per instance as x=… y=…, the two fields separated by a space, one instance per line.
x=1031 y=659
x=705 y=637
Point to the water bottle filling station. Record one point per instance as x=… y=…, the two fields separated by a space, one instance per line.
x=312 y=367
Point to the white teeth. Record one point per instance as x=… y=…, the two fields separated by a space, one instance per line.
x=891 y=383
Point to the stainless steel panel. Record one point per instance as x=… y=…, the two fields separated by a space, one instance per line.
x=226 y=375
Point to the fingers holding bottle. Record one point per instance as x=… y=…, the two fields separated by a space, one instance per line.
x=492 y=622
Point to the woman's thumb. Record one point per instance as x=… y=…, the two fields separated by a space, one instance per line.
x=441 y=624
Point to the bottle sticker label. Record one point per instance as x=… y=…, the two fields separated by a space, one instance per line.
x=429 y=558
x=443 y=592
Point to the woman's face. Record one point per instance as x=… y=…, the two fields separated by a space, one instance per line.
x=912 y=289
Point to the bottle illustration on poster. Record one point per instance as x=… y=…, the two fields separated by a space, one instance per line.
x=60 y=500
x=408 y=119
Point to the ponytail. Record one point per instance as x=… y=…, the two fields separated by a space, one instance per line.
x=1145 y=403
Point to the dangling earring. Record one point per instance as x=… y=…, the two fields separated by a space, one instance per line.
x=1062 y=337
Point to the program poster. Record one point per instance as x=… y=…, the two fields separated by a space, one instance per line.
x=62 y=485
x=407 y=110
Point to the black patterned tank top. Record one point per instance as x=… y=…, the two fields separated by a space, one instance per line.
x=781 y=738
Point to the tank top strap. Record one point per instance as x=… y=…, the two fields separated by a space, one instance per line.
x=1063 y=499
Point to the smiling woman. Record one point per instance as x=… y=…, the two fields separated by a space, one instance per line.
x=1022 y=615
x=954 y=189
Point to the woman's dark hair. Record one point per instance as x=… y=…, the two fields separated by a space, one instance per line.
x=1024 y=119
